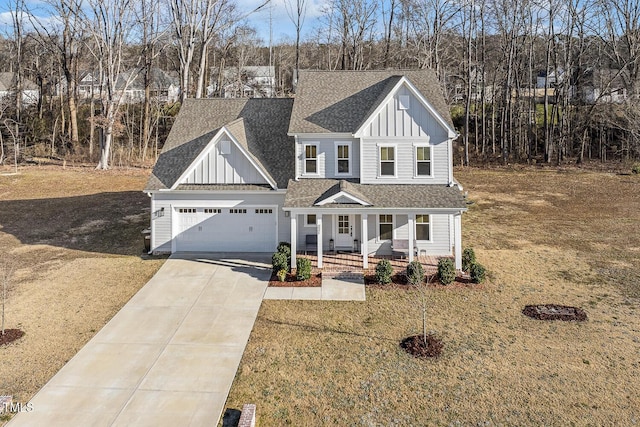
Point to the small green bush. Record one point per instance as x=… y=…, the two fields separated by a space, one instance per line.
x=384 y=271
x=284 y=247
x=415 y=273
x=468 y=258
x=282 y=275
x=636 y=168
x=279 y=261
x=477 y=272
x=303 y=269
x=446 y=271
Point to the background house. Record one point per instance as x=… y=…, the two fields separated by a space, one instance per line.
x=30 y=91
x=243 y=82
x=165 y=87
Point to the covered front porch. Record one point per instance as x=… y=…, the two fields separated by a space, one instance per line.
x=352 y=262
x=358 y=238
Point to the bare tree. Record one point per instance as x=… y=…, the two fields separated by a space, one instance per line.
x=7 y=269
x=297 y=15
x=64 y=39
x=111 y=27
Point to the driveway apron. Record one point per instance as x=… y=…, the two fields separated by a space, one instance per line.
x=168 y=357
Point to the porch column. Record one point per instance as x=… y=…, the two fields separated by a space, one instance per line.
x=294 y=239
x=319 y=230
x=457 y=220
x=412 y=234
x=364 y=235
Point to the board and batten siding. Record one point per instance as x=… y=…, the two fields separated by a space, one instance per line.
x=327 y=157
x=231 y=168
x=170 y=200
x=404 y=128
x=440 y=235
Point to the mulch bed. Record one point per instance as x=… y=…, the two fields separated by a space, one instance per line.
x=291 y=281
x=399 y=281
x=415 y=346
x=555 y=312
x=10 y=335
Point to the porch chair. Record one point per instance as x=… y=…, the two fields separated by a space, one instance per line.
x=311 y=243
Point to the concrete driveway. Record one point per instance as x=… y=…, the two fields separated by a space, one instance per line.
x=169 y=357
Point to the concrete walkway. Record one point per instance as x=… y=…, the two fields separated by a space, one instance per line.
x=336 y=287
x=169 y=357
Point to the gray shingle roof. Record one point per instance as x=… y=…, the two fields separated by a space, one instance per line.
x=340 y=101
x=265 y=124
x=305 y=193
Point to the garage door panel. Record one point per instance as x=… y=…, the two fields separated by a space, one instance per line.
x=227 y=230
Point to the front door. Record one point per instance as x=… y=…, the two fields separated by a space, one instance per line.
x=344 y=231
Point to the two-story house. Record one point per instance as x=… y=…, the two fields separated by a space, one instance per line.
x=358 y=159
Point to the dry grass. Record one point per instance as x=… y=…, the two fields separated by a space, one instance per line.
x=566 y=237
x=75 y=235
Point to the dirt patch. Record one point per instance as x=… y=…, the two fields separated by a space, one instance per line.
x=555 y=312
x=10 y=335
x=416 y=346
x=291 y=281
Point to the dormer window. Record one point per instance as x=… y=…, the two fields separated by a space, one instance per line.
x=311 y=159
x=403 y=102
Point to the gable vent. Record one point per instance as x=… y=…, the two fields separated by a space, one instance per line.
x=225 y=147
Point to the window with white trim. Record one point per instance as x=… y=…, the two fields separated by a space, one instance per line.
x=264 y=211
x=187 y=210
x=423 y=160
x=343 y=158
x=423 y=230
x=310 y=220
x=385 y=227
x=310 y=158
x=387 y=155
x=237 y=211
x=212 y=211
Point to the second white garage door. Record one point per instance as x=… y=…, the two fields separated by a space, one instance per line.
x=242 y=229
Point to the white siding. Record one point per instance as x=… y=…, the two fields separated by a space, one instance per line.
x=440 y=235
x=327 y=157
x=416 y=121
x=162 y=224
x=218 y=168
x=403 y=128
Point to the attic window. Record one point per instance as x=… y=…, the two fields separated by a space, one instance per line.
x=225 y=147
x=403 y=102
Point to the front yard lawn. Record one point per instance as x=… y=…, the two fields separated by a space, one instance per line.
x=546 y=237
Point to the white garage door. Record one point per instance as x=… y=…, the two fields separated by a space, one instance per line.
x=242 y=229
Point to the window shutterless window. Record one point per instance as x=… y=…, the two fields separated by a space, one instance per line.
x=387 y=161
x=310 y=159
x=212 y=211
x=423 y=161
x=422 y=227
x=310 y=220
x=385 y=227
x=343 y=165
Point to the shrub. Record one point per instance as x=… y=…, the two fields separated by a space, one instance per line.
x=446 y=271
x=468 y=258
x=303 y=269
x=384 y=271
x=415 y=273
x=284 y=247
x=279 y=261
x=282 y=275
x=477 y=272
x=636 y=168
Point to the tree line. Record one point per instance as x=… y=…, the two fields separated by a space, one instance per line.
x=527 y=81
